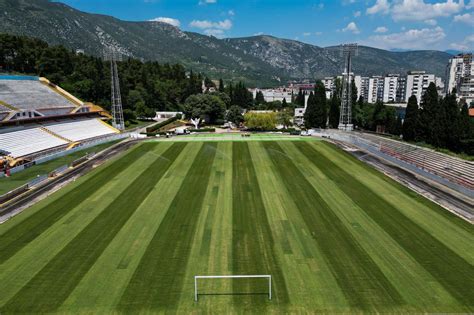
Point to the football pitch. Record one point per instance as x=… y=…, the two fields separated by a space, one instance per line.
x=336 y=236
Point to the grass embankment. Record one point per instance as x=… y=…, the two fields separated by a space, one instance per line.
x=336 y=236
x=16 y=180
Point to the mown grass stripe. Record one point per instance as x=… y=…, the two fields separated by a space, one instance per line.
x=13 y=240
x=454 y=273
x=360 y=279
x=157 y=283
x=52 y=285
x=253 y=244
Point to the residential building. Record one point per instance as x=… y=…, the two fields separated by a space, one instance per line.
x=461 y=76
x=272 y=95
x=390 y=88
x=375 y=91
x=417 y=83
x=362 y=85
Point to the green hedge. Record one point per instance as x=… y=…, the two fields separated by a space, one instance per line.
x=161 y=124
x=203 y=130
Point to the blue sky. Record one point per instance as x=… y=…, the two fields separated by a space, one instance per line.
x=388 y=24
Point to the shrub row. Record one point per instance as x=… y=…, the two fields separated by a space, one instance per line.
x=203 y=130
x=161 y=124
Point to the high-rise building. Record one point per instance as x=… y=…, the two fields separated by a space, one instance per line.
x=362 y=85
x=417 y=83
x=390 y=87
x=375 y=91
x=461 y=76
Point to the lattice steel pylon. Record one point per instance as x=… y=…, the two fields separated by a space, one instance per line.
x=116 y=99
x=345 y=118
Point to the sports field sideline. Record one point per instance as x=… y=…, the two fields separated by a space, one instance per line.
x=336 y=235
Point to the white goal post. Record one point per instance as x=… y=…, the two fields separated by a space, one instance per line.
x=269 y=277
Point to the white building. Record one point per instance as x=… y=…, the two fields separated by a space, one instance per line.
x=461 y=77
x=362 y=85
x=375 y=91
x=390 y=88
x=417 y=83
x=272 y=95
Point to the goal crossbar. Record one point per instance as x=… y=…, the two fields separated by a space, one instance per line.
x=269 y=277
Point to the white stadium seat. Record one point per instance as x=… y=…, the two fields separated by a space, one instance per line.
x=28 y=141
x=79 y=130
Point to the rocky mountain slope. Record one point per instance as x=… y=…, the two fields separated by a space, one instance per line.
x=259 y=60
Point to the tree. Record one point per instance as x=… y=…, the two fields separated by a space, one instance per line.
x=334 y=113
x=411 y=123
x=260 y=121
x=452 y=124
x=285 y=118
x=310 y=112
x=259 y=98
x=429 y=116
x=205 y=106
x=221 y=86
x=234 y=115
x=241 y=96
x=299 y=99
x=397 y=129
x=284 y=104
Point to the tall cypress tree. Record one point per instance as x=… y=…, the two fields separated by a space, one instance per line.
x=452 y=128
x=311 y=113
x=320 y=105
x=411 y=122
x=429 y=116
x=334 y=105
x=221 y=85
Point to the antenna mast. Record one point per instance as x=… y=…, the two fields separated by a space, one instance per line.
x=111 y=54
x=345 y=119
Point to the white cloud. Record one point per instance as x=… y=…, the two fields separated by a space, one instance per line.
x=258 y=34
x=231 y=12
x=351 y=27
x=206 y=24
x=410 y=39
x=318 y=33
x=381 y=29
x=431 y=22
x=167 y=20
x=357 y=14
x=380 y=6
x=306 y=33
x=470 y=5
x=466 y=45
x=214 y=32
x=465 y=18
x=469 y=39
x=461 y=47
x=204 y=2
x=418 y=10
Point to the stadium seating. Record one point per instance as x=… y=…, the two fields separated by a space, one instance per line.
x=453 y=169
x=28 y=141
x=31 y=95
x=78 y=130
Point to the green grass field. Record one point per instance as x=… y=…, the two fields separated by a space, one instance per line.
x=336 y=235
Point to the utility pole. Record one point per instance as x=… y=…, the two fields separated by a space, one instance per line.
x=111 y=54
x=345 y=119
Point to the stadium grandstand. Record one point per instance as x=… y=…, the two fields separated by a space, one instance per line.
x=38 y=118
x=453 y=169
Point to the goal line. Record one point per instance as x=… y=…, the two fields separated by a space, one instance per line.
x=269 y=277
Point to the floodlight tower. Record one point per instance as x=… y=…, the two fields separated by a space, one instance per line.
x=111 y=54
x=345 y=119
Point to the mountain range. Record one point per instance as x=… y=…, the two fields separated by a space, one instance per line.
x=258 y=60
